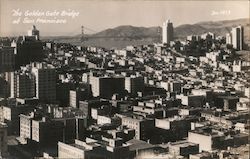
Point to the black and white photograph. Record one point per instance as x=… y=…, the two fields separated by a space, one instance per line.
x=124 y=79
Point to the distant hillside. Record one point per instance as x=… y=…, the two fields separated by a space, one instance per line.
x=128 y=31
x=122 y=36
x=217 y=27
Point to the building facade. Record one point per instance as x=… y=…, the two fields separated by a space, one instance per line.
x=3 y=140
x=7 y=59
x=237 y=37
x=167 y=32
x=45 y=82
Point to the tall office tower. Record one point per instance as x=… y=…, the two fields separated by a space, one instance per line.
x=22 y=85
x=237 y=37
x=34 y=32
x=7 y=59
x=28 y=48
x=167 y=32
x=45 y=81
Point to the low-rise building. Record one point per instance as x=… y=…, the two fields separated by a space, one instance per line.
x=183 y=148
x=143 y=127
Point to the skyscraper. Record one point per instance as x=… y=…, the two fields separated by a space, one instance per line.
x=167 y=32
x=237 y=37
x=45 y=82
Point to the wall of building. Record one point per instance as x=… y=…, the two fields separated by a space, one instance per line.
x=3 y=140
x=68 y=151
x=205 y=142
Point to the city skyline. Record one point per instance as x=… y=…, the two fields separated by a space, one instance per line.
x=138 y=13
x=128 y=92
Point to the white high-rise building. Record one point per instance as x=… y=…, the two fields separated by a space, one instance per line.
x=45 y=81
x=167 y=32
x=237 y=37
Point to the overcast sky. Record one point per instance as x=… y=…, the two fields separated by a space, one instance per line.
x=100 y=15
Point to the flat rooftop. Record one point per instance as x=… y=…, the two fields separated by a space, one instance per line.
x=183 y=143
